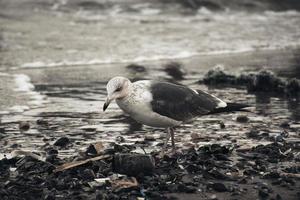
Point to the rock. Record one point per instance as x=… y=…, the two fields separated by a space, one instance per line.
x=216 y=149
x=136 y=68
x=253 y=133
x=222 y=125
x=52 y=151
x=2 y=130
x=293 y=87
x=217 y=76
x=266 y=81
x=242 y=119
x=263 y=81
x=24 y=126
x=100 y=195
x=120 y=139
x=88 y=174
x=62 y=142
x=218 y=187
x=149 y=138
x=285 y=134
x=133 y=164
x=285 y=124
x=263 y=193
x=185 y=188
x=41 y=122
x=94 y=149
x=175 y=70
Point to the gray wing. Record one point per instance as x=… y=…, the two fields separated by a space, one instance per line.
x=181 y=103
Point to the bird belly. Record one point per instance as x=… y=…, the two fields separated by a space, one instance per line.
x=144 y=115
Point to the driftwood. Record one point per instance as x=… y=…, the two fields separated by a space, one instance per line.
x=78 y=163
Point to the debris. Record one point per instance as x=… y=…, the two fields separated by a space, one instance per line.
x=218 y=187
x=24 y=126
x=126 y=183
x=36 y=156
x=42 y=122
x=195 y=137
x=222 y=125
x=95 y=149
x=263 y=81
x=242 y=119
x=149 y=138
x=285 y=124
x=136 y=68
x=175 y=70
x=78 y=163
x=133 y=164
x=62 y=142
x=88 y=174
x=217 y=76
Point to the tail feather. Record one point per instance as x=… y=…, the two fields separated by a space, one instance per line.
x=231 y=107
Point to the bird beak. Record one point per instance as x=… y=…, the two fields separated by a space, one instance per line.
x=106 y=104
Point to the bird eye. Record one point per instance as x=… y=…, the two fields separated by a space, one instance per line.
x=118 y=89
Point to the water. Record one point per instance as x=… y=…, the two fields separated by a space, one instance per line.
x=56 y=57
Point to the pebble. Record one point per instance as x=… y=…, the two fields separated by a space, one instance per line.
x=136 y=68
x=24 y=126
x=175 y=70
x=242 y=119
x=62 y=142
x=218 y=187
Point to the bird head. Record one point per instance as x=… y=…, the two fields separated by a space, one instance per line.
x=117 y=88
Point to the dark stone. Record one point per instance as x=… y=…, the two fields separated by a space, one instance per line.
x=293 y=87
x=52 y=151
x=91 y=150
x=253 y=133
x=285 y=134
x=100 y=195
x=285 y=124
x=242 y=119
x=186 y=189
x=133 y=164
x=218 y=76
x=271 y=175
x=2 y=130
x=62 y=142
x=218 y=187
x=222 y=125
x=41 y=122
x=263 y=193
x=175 y=70
x=136 y=68
x=24 y=126
x=88 y=174
x=266 y=81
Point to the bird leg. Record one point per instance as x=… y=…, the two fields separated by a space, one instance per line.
x=170 y=134
x=172 y=138
x=167 y=139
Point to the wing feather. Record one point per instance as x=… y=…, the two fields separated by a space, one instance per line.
x=180 y=102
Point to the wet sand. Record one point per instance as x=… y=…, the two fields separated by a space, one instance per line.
x=52 y=85
x=75 y=96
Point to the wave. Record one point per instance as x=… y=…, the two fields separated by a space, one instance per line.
x=142 y=58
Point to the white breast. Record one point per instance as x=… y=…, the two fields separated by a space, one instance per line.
x=138 y=105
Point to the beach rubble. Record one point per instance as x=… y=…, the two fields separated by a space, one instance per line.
x=262 y=81
x=207 y=170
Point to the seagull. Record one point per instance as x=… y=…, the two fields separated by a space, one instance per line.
x=163 y=104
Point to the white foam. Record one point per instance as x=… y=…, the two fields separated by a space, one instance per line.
x=23 y=83
x=18 y=108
